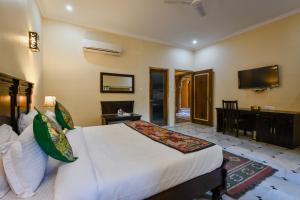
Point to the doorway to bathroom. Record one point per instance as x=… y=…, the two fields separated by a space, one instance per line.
x=183 y=95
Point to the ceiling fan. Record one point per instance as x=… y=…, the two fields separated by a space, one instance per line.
x=197 y=4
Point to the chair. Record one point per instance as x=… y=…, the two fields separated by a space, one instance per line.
x=231 y=118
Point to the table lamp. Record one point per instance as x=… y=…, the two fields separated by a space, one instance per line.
x=49 y=101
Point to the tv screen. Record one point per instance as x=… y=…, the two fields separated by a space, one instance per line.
x=264 y=77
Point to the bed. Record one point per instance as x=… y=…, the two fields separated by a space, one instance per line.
x=117 y=162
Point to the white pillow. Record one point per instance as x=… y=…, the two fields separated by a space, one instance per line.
x=25 y=120
x=6 y=135
x=24 y=163
x=77 y=180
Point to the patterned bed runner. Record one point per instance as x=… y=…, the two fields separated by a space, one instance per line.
x=178 y=141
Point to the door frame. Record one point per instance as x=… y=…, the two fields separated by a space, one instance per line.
x=210 y=86
x=187 y=72
x=166 y=94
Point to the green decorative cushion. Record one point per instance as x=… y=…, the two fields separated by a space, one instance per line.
x=63 y=116
x=52 y=139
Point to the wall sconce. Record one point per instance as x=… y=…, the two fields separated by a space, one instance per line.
x=4 y=100
x=49 y=101
x=21 y=101
x=34 y=41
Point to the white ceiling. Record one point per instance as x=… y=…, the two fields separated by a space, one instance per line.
x=173 y=24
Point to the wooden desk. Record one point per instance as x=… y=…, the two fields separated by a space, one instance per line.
x=276 y=127
x=108 y=118
x=109 y=107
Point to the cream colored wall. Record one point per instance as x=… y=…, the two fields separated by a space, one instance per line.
x=16 y=19
x=74 y=76
x=275 y=43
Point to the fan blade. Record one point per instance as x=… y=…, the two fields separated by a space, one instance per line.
x=200 y=8
x=178 y=1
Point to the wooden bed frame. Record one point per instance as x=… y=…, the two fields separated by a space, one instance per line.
x=15 y=98
x=11 y=89
x=214 y=181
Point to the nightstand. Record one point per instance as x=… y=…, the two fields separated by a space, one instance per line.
x=114 y=118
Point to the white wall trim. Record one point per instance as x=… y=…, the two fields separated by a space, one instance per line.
x=39 y=5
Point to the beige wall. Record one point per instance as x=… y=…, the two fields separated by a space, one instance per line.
x=275 y=43
x=74 y=76
x=17 y=17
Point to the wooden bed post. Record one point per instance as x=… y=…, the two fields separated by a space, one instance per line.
x=220 y=190
x=13 y=102
x=214 y=181
x=9 y=109
x=28 y=97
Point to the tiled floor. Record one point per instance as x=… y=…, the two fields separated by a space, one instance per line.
x=183 y=115
x=283 y=185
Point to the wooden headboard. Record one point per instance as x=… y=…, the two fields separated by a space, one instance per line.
x=15 y=98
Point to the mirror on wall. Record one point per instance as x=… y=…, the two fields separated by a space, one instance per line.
x=116 y=83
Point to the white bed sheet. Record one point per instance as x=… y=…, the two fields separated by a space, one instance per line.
x=129 y=165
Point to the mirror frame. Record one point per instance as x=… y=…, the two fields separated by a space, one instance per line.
x=114 y=74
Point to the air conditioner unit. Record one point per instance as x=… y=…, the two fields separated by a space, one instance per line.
x=101 y=47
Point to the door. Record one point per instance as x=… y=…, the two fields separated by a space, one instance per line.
x=159 y=96
x=202 y=97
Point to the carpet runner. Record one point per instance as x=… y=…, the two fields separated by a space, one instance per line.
x=244 y=174
x=178 y=141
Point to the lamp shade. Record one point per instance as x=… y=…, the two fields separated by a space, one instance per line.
x=22 y=101
x=49 y=101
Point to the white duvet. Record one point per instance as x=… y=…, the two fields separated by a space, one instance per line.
x=116 y=162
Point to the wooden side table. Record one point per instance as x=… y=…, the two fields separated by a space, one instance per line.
x=108 y=118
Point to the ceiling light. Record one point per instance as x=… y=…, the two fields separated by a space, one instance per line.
x=195 y=41
x=69 y=8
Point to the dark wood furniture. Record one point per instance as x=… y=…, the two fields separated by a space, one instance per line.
x=111 y=118
x=118 y=88
x=276 y=127
x=230 y=117
x=110 y=109
x=214 y=181
x=15 y=98
x=202 y=97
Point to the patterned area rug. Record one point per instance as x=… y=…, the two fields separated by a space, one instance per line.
x=244 y=174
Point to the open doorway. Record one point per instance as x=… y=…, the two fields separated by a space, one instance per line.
x=183 y=95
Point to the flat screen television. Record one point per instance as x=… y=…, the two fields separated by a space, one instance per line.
x=259 y=78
